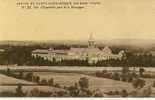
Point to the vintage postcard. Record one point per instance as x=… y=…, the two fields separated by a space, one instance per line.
x=77 y=48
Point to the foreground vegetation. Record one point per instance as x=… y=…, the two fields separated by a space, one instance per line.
x=81 y=86
x=81 y=89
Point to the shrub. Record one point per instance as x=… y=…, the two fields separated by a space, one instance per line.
x=130 y=77
x=134 y=75
x=148 y=76
x=84 y=83
x=141 y=71
x=57 y=85
x=61 y=93
x=44 y=82
x=36 y=79
x=35 y=92
x=124 y=93
x=134 y=93
x=8 y=71
x=19 y=91
x=51 y=81
x=153 y=84
x=89 y=93
x=109 y=93
x=29 y=76
x=38 y=93
x=116 y=76
x=97 y=93
x=83 y=93
x=116 y=92
x=73 y=91
x=138 y=83
x=147 y=92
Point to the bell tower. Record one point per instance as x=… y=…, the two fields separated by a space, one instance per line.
x=91 y=41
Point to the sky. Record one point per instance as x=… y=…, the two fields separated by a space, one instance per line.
x=112 y=19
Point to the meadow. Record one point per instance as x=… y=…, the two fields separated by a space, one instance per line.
x=95 y=83
x=70 y=69
x=67 y=77
x=5 y=80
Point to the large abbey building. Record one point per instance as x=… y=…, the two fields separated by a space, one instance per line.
x=92 y=53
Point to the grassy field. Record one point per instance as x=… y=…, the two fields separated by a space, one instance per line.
x=68 y=79
x=9 y=84
x=28 y=89
x=69 y=69
x=67 y=76
x=10 y=80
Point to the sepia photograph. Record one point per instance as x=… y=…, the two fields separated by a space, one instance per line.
x=77 y=48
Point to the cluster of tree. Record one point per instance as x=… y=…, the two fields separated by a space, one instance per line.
x=81 y=89
x=29 y=76
x=73 y=63
x=128 y=77
x=33 y=93
x=145 y=60
x=21 y=56
x=124 y=75
x=16 y=55
x=18 y=93
x=142 y=60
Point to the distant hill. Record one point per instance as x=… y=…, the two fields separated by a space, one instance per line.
x=135 y=43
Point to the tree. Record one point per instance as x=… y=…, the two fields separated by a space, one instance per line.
x=29 y=76
x=35 y=92
x=84 y=83
x=19 y=90
x=130 y=77
x=74 y=90
x=147 y=92
x=61 y=93
x=153 y=84
x=37 y=79
x=141 y=71
x=138 y=83
x=116 y=76
x=51 y=81
x=98 y=93
x=125 y=69
x=124 y=93
x=8 y=71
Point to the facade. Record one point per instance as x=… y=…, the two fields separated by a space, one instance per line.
x=91 y=53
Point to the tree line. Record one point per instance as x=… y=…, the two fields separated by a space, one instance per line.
x=23 y=56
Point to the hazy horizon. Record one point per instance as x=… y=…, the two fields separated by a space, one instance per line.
x=115 y=42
